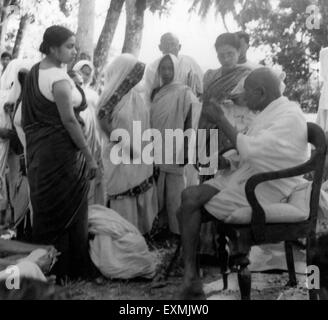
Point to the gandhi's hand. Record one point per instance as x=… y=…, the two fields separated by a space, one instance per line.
x=213 y=111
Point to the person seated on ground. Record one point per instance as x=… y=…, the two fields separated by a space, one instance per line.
x=189 y=72
x=276 y=140
x=33 y=261
x=174 y=107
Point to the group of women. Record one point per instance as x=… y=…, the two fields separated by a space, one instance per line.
x=68 y=134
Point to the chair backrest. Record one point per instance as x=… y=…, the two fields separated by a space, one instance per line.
x=317 y=139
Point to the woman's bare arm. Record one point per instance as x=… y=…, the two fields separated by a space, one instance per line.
x=63 y=97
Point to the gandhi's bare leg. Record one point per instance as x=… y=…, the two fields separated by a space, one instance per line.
x=190 y=217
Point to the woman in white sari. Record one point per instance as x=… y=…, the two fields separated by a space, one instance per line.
x=86 y=70
x=174 y=106
x=12 y=143
x=129 y=188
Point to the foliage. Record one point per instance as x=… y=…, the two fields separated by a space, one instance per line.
x=159 y=6
x=281 y=26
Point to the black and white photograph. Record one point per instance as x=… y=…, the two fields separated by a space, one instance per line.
x=164 y=151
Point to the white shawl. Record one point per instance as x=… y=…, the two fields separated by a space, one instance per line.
x=120 y=178
x=169 y=110
x=189 y=73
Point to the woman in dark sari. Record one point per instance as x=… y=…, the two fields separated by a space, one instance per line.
x=59 y=161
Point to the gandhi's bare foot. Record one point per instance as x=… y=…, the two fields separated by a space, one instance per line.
x=192 y=291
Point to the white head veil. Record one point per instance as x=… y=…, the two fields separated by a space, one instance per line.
x=10 y=85
x=82 y=63
x=115 y=73
x=158 y=81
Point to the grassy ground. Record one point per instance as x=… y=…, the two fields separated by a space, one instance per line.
x=264 y=287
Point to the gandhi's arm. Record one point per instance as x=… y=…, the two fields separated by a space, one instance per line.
x=228 y=130
x=215 y=115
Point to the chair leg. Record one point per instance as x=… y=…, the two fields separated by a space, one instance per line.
x=224 y=259
x=290 y=264
x=310 y=247
x=244 y=278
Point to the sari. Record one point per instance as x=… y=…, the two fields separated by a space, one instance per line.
x=16 y=176
x=129 y=188
x=92 y=135
x=219 y=86
x=173 y=107
x=57 y=175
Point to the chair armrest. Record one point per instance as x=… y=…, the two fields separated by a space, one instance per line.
x=258 y=217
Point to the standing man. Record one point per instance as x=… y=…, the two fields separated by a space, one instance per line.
x=189 y=72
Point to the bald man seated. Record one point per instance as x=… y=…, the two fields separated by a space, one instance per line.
x=276 y=140
x=190 y=73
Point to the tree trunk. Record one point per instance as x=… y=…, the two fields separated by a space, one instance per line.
x=4 y=5
x=135 y=12
x=107 y=34
x=86 y=28
x=20 y=35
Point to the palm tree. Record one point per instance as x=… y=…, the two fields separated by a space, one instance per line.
x=107 y=33
x=135 y=12
x=86 y=27
x=242 y=11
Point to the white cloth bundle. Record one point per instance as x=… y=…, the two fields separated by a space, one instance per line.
x=118 y=250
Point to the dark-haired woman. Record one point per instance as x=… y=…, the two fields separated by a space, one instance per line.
x=59 y=161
